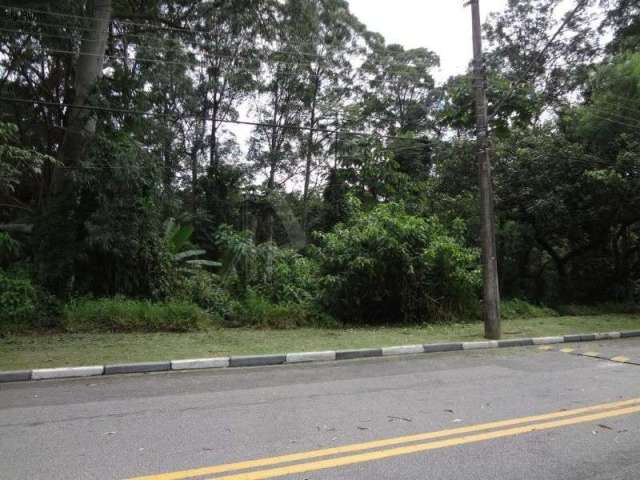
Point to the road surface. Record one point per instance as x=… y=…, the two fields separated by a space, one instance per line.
x=518 y=413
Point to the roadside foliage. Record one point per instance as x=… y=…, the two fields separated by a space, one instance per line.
x=276 y=164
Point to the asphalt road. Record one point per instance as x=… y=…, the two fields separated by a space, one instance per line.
x=151 y=425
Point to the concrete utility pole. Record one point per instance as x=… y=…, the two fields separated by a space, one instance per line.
x=490 y=288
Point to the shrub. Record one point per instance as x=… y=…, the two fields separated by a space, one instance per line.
x=279 y=274
x=202 y=288
x=18 y=301
x=598 y=309
x=284 y=276
x=389 y=266
x=120 y=314
x=258 y=311
x=518 y=308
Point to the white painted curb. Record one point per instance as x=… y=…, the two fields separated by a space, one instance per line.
x=300 y=357
x=194 y=363
x=47 y=373
x=479 y=345
x=402 y=350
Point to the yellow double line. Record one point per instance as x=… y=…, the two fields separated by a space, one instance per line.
x=499 y=429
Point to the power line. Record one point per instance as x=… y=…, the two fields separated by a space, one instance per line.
x=612 y=113
x=625 y=100
x=125 y=22
x=134 y=59
x=147 y=37
x=178 y=116
x=531 y=65
x=261 y=54
x=84 y=18
x=604 y=116
x=154 y=27
x=195 y=32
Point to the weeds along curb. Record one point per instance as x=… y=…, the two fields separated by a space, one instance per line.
x=296 y=358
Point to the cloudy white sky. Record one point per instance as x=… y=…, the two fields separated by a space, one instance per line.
x=443 y=26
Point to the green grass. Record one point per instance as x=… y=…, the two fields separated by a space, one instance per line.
x=56 y=350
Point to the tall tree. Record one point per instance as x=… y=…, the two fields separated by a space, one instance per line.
x=329 y=48
x=81 y=123
x=542 y=57
x=272 y=148
x=399 y=93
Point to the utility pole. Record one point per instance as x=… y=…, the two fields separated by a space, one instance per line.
x=490 y=288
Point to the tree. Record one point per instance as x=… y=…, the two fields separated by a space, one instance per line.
x=17 y=165
x=81 y=124
x=400 y=88
x=272 y=148
x=623 y=17
x=539 y=59
x=329 y=48
x=228 y=51
x=386 y=266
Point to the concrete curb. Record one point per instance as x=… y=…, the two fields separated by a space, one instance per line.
x=480 y=345
x=359 y=353
x=194 y=363
x=402 y=350
x=257 y=360
x=137 y=367
x=298 y=357
x=547 y=340
x=441 y=347
x=69 y=372
x=15 y=376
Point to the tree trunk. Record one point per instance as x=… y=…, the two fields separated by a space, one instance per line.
x=194 y=177
x=81 y=125
x=213 y=140
x=307 y=170
x=266 y=229
x=58 y=246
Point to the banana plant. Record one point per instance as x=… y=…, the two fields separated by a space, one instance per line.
x=177 y=241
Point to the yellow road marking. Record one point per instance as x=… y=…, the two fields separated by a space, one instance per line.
x=567 y=350
x=263 y=462
x=394 y=452
x=620 y=359
x=545 y=347
x=591 y=354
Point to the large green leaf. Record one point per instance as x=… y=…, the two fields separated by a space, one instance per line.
x=187 y=254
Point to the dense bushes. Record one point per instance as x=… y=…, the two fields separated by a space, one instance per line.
x=388 y=266
x=276 y=287
x=258 y=311
x=279 y=274
x=120 y=314
x=518 y=308
x=203 y=289
x=18 y=300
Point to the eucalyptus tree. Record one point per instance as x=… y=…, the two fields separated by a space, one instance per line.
x=332 y=42
x=396 y=98
x=227 y=45
x=543 y=56
x=280 y=108
x=399 y=89
x=623 y=17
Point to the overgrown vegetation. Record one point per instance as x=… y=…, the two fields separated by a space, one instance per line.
x=386 y=266
x=127 y=203
x=125 y=315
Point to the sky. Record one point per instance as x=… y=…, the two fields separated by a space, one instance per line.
x=443 y=26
